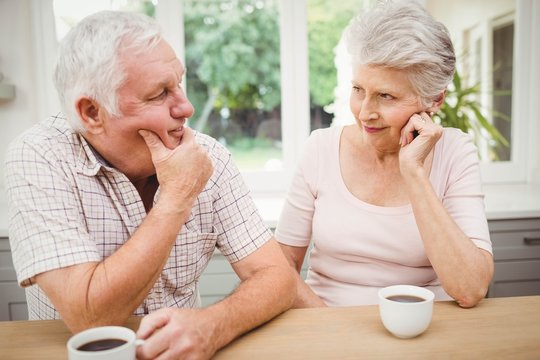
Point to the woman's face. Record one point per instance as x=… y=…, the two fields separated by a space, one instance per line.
x=382 y=101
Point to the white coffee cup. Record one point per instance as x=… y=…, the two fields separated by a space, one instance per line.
x=404 y=317
x=125 y=351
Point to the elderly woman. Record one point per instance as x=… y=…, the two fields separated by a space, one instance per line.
x=394 y=198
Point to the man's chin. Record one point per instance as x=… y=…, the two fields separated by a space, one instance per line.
x=174 y=138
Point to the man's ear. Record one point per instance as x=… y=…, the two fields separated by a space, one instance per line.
x=88 y=110
x=437 y=102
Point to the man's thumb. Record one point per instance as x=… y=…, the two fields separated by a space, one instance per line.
x=156 y=147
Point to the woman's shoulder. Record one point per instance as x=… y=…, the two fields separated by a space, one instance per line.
x=455 y=151
x=453 y=135
x=327 y=132
x=325 y=136
x=456 y=141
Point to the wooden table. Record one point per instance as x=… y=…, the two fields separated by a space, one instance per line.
x=498 y=328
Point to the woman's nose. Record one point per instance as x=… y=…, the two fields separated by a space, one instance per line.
x=367 y=108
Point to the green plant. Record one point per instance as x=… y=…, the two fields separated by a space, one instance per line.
x=462 y=109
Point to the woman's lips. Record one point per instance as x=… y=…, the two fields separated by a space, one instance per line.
x=372 y=130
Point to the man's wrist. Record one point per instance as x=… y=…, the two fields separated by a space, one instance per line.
x=173 y=207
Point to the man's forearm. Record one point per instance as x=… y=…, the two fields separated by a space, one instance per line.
x=108 y=292
x=263 y=296
x=128 y=275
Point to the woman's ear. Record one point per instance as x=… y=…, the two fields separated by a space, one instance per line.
x=437 y=102
x=88 y=111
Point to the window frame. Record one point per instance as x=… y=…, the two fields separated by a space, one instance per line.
x=515 y=170
x=483 y=32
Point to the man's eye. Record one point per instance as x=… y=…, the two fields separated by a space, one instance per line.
x=161 y=95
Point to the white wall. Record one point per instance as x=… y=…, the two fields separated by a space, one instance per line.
x=22 y=45
x=17 y=65
x=469 y=14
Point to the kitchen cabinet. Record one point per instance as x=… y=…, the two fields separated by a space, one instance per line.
x=12 y=297
x=516 y=250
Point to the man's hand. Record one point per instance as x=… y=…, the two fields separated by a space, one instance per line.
x=182 y=172
x=172 y=333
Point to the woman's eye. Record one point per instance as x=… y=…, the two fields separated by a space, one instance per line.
x=387 y=96
x=358 y=90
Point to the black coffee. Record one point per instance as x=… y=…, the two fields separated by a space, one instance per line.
x=100 y=345
x=405 y=298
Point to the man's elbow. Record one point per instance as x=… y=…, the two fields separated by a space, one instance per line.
x=82 y=315
x=78 y=324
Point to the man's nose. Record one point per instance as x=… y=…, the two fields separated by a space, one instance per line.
x=182 y=107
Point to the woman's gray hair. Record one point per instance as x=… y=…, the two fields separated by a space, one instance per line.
x=402 y=35
x=89 y=58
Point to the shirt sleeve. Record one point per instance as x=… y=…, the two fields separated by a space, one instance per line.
x=463 y=197
x=46 y=229
x=240 y=228
x=295 y=222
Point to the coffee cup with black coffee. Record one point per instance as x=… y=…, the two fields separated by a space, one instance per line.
x=103 y=343
x=406 y=310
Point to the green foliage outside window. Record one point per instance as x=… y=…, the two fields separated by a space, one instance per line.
x=462 y=109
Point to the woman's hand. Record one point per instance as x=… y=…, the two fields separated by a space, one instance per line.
x=414 y=150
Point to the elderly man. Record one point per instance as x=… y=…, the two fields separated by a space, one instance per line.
x=117 y=206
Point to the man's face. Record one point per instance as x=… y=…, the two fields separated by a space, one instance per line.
x=151 y=98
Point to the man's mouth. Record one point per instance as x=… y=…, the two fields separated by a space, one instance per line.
x=178 y=132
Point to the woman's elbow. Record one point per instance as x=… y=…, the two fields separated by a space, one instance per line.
x=471 y=299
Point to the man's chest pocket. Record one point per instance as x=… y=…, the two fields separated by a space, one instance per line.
x=189 y=256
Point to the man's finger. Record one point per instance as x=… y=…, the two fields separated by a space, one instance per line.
x=151 y=323
x=155 y=145
x=188 y=136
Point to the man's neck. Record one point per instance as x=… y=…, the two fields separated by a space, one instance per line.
x=147 y=188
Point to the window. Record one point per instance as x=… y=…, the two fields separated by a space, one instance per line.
x=488 y=61
x=492 y=45
x=232 y=56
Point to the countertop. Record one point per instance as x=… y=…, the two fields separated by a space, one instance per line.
x=498 y=328
x=508 y=201
x=516 y=201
